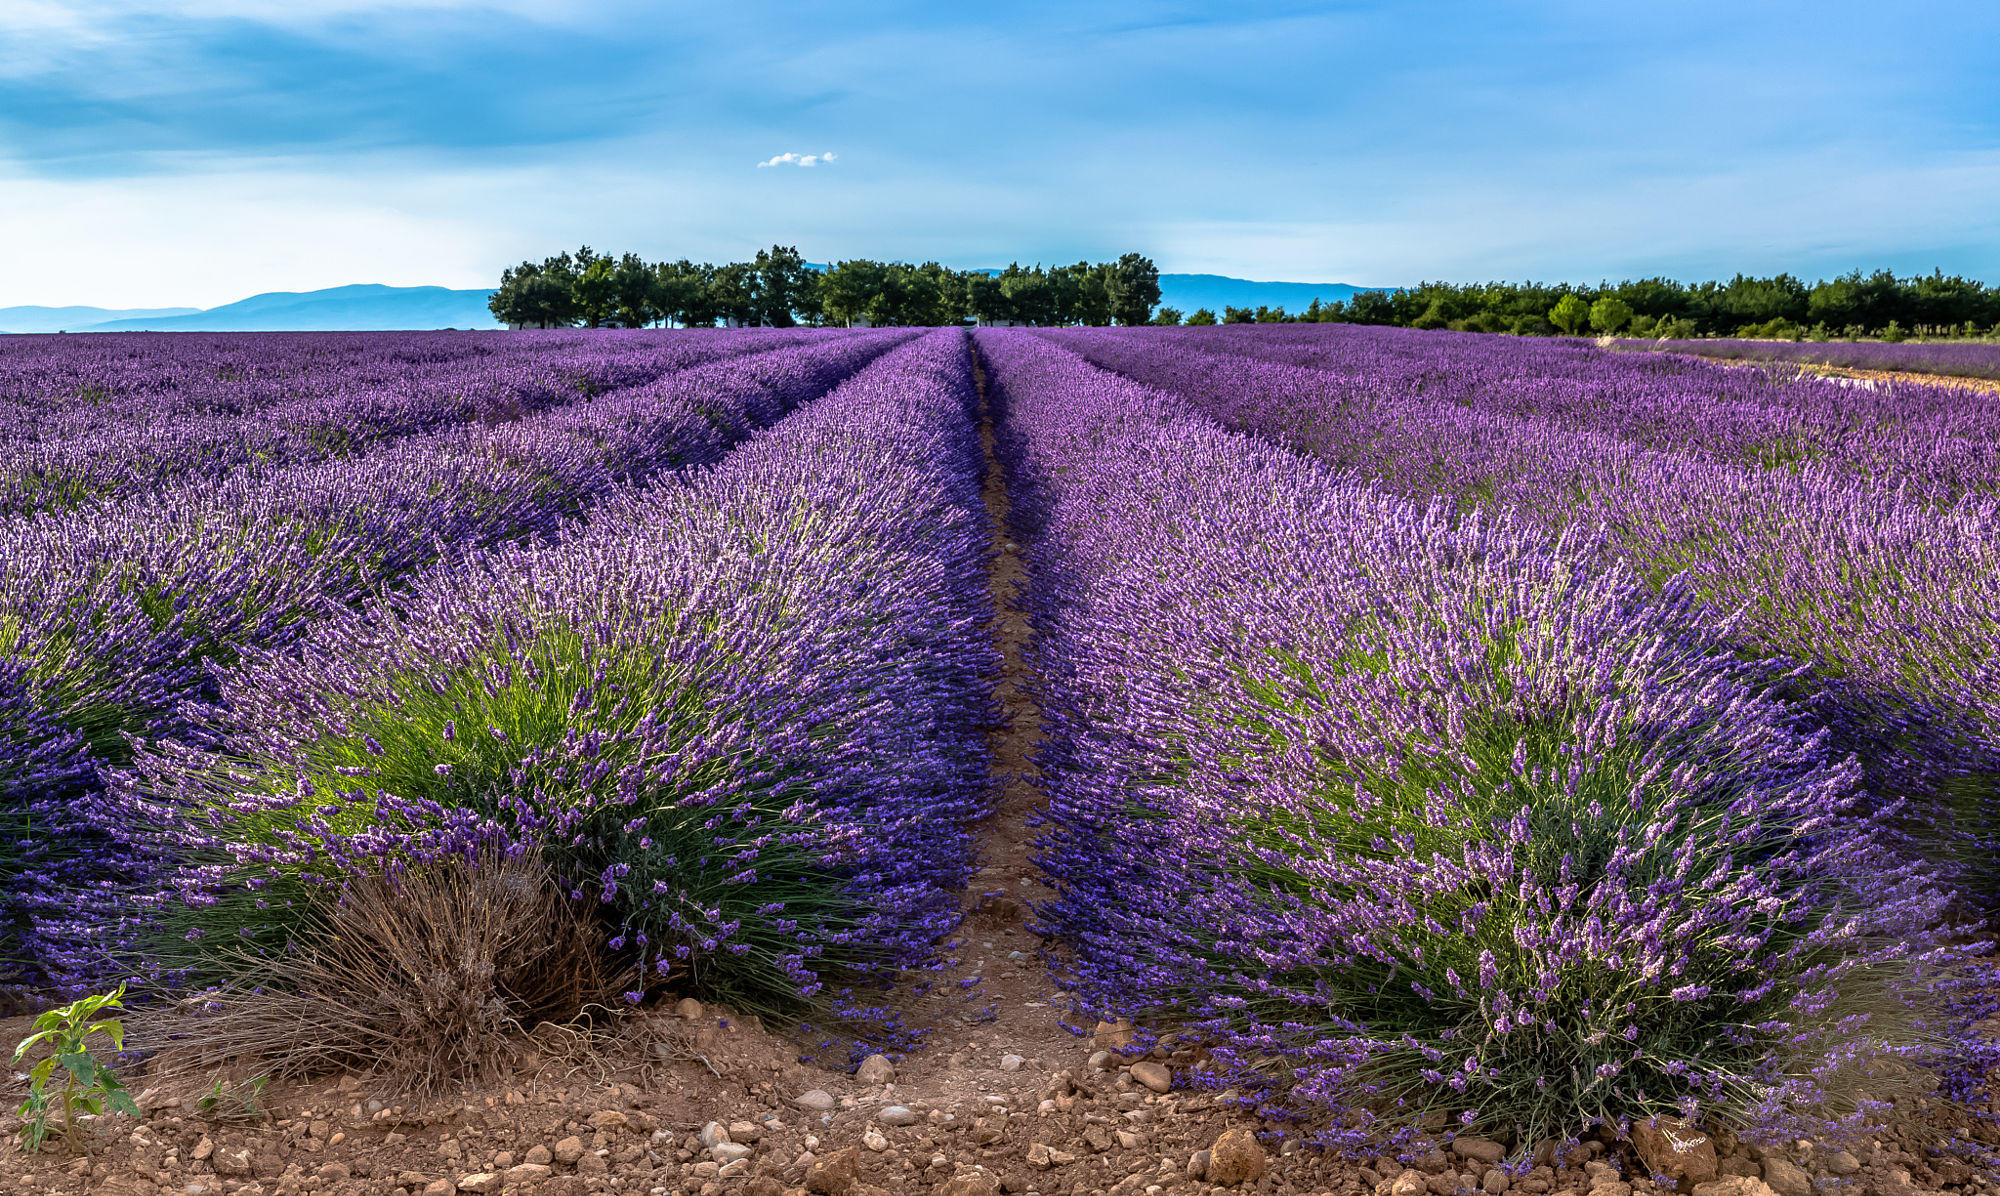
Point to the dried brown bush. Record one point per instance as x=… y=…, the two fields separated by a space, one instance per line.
x=427 y=978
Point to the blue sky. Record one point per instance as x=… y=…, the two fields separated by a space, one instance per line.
x=159 y=152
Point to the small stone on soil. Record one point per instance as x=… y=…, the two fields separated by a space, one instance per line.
x=875 y=1071
x=1236 y=1157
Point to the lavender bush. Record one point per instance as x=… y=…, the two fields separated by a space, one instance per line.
x=115 y=611
x=742 y=714
x=1884 y=580
x=1417 y=814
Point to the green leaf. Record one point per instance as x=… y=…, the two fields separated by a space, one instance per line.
x=40 y=1075
x=113 y=1029
x=121 y=1101
x=25 y=1045
x=82 y=1065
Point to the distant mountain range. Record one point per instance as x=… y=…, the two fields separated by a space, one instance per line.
x=1217 y=291
x=368 y=307
x=56 y=319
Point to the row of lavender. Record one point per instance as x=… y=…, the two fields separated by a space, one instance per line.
x=1960 y=359
x=742 y=714
x=1944 y=440
x=1423 y=814
x=70 y=384
x=70 y=432
x=115 y=614
x=1888 y=592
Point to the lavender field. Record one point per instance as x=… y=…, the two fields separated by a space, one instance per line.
x=1449 y=733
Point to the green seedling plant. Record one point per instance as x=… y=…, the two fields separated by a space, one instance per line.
x=242 y=1103
x=87 y=1086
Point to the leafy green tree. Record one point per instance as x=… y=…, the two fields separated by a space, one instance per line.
x=595 y=288
x=1484 y=321
x=533 y=295
x=733 y=291
x=1610 y=314
x=893 y=302
x=1167 y=317
x=986 y=298
x=1132 y=288
x=779 y=286
x=686 y=293
x=1570 y=314
x=1746 y=300
x=1266 y=314
x=1657 y=297
x=1372 y=307
x=1090 y=300
x=1065 y=295
x=1202 y=315
x=1936 y=300
x=1238 y=315
x=1029 y=297
x=847 y=289
x=808 y=310
x=936 y=296
x=634 y=293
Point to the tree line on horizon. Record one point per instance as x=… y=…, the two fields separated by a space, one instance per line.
x=1851 y=306
x=778 y=289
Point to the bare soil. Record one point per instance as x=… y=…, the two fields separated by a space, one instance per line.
x=1990 y=385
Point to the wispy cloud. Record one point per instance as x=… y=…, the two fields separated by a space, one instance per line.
x=797 y=160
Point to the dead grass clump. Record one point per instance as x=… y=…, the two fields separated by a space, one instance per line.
x=428 y=979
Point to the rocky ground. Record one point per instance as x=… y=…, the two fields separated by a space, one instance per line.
x=696 y=1101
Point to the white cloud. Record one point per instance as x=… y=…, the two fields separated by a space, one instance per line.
x=213 y=237
x=797 y=160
